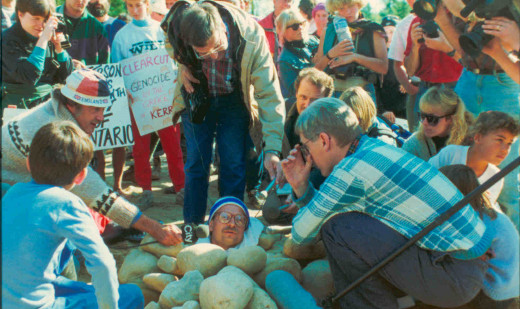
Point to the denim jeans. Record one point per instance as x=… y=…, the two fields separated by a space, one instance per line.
x=498 y=92
x=228 y=118
x=482 y=93
x=75 y=294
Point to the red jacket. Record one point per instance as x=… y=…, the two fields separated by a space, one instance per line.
x=270 y=31
x=435 y=66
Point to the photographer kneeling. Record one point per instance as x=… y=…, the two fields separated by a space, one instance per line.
x=30 y=65
x=374 y=199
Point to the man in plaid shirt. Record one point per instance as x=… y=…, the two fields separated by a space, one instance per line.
x=376 y=197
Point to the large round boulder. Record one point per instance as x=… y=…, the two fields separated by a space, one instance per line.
x=206 y=258
x=137 y=264
x=176 y=293
x=249 y=259
x=227 y=290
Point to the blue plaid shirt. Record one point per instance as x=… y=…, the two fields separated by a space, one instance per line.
x=400 y=190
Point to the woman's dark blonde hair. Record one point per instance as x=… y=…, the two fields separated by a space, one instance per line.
x=451 y=104
x=465 y=179
x=287 y=18
x=362 y=104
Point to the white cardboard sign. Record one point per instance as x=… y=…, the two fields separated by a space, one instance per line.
x=150 y=78
x=115 y=130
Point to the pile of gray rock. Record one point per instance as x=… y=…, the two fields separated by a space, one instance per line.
x=207 y=276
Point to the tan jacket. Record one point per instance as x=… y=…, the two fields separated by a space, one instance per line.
x=259 y=80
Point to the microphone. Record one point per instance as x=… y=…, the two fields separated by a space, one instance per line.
x=192 y=232
x=278 y=229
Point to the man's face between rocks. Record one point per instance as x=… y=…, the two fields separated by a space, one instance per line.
x=226 y=235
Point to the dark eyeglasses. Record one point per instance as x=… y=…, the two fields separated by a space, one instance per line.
x=221 y=46
x=433 y=120
x=295 y=26
x=225 y=217
x=305 y=149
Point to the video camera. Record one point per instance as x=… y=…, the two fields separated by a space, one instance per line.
x=426 y=9
x=473 y=41
x=62 y=28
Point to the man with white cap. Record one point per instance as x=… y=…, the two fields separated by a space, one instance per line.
x=81 y=100
x=230 y=225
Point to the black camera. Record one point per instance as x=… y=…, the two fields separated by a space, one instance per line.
x=425 y=9
x=473 y=41
x=62 y=28
x=430 y=29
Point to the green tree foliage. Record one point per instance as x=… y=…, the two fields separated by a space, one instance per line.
x=392 y=7
x=116 y=7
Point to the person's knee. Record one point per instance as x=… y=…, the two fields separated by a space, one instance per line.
x=130 y=297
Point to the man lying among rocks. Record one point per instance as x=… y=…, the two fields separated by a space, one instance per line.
x=230 y=225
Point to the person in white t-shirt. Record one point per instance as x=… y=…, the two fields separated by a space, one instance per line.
x=491 y=138
x=396 y=58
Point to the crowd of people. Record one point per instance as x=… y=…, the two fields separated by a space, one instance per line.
x=378 y=128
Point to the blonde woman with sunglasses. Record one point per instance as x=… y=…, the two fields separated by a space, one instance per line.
x=298 y=48
x=443 y=121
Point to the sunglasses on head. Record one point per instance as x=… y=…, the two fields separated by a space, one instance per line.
x=225 y=217
x=433 y=120
x=295 y=26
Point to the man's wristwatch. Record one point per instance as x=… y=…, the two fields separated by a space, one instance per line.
x=327 y=55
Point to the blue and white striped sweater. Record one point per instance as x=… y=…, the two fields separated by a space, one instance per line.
x=399 y=189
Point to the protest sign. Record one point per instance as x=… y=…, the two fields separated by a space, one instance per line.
x=115 y=130
x=150 y=78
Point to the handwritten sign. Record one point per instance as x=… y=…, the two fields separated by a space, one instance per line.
x=115 y=130
x=150 y=78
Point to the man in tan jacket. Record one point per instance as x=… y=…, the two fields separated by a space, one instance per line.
x=222 y=53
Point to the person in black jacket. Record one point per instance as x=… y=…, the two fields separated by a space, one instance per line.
x=32 y=56
x=310 y=85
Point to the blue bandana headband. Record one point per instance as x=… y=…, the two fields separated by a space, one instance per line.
x=229 y=200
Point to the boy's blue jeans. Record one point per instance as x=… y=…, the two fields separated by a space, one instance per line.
x=228 y=120
x=74 y=294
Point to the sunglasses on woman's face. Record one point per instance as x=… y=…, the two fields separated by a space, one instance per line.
x=433 y=120
x=296 y=26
